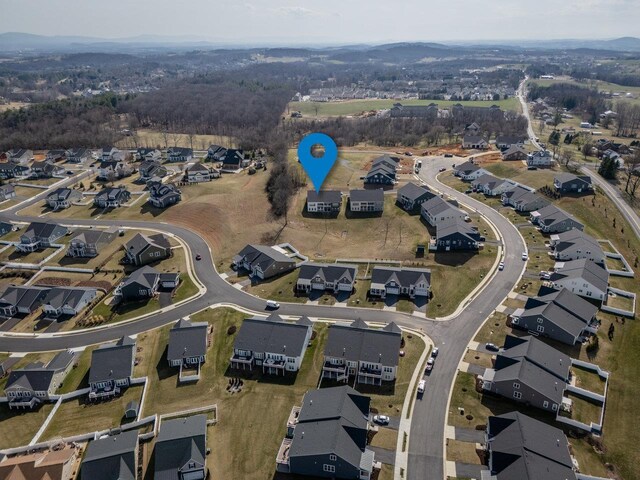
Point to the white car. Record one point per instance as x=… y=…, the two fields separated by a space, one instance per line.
x=273 y=304
x=421 y=386
x=430 y=363
x=381 y=419
x=545 y=275
x=501 y=266
x=435 y=351
x=525 y=256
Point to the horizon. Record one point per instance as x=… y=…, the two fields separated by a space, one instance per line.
x=333 y=23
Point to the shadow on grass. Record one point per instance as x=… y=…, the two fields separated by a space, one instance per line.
x=386 y=389
x=289 y=378
x=454 y=259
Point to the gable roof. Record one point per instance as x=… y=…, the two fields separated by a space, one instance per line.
x=111 y=457
x=43 y=229
x=140 y=242
x=526 y=449
x=272 y=335
x=324 y=196
x=58 y=297
x=456 y=225
x=93 y=236
x=267 y=258
x=373 y=195
x=180 y=441
x=48 y=465
x=466 y=168
x=537 y=352
x=112 y=361
x=329 y=272
x=145 y=277
x=437 y=205
x=414 y=192
x=566 y=177
x=357 y=342
x=187 y=339
x=34 y=377
x=22 y=296
x=574 y=240
x=403 y=276
x=584 y=269
x=551 y=215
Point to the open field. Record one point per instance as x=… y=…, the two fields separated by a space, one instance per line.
x=356 y=107
x=19 y=426
x=154 y=139
x=12 y=255
x=464 y=452
x=583 y=410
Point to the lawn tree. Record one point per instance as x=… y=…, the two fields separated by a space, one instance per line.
x=608 y=168
x=633 y=174
x=566 y=156
x=586 y=149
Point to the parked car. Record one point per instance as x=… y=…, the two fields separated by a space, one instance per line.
x=525 y=256
x=408 y=154
x=491 y=346
x=448 y=155
x=468 y=191
x=198 y=257
x=381 y=419
x=501 y=266
x=442 y=169
x=430 y=363
x=421 y=386
x=272 y=304
x=435 y=351
x=545 y=275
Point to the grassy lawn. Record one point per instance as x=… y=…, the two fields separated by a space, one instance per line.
x=583 y=410
x=619 y=301
x=404 y=305
x=614 y=263
x=588 y=380
x=280 y=288
x=478 y=358
x=79 y=415
x=19 y=426
x=355 y=107
x=464 y=452
x=385 y=438
x=154 y=139
x=386 y=472
x=360 y=298
x=109 y=255
x=12 y=255
x=78 y=377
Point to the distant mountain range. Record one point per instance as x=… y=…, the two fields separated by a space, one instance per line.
x=15 y=42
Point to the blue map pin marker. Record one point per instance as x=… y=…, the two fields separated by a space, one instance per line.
x=317 y=167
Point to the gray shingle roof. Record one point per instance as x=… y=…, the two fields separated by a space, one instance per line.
x=324 y=196
x=111 y=458
x=584 y=269
x=376 y=195
x=187 y=339
x=413 y=191
x=71 y=296
x=140 y=242
x=269 y=259
x=32 y=378
x=438 y=205
x=94 y=236
x=526 y=449
x=145 y=276
x=330 y=272
x=537 y=352
x=272 y=335
x=357 y=342
x=112 y=361
x=403 y=276
x=180 y=441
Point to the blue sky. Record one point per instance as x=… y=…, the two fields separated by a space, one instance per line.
x=325 y=21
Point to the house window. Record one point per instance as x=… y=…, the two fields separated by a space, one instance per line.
x=540 y=328
x=333 y=458
x=515 y=320
x=516 y=385
x=329 y=468
x=540 y=320
x=554 y=407
x=517 y=395
x=545 y=404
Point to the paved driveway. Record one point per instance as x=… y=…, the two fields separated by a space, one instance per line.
x=469 y=435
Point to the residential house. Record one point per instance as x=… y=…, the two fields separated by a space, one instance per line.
x=324 y=201
x=111 y=154
x=41 y=465
x=551 y=219
x=321 y=277
x=215 y=153
x=19 y=156
x=36 y=383
x=78 y=155
x=7 y=192
x=411 y=282
x=542 y=158
x=21 y=300
x=40 y=235
x=67 y=301
x=504 y=142
x=197 y=173
x=233 y=160
x=5 y=227
x=582 y=277
x=187 y=344
x=144 y=283
x=144 y=249
x=469 y=171
x=387 y=161
x=575 y=244
x=438 y=209
x=570 y=183
x=46 y=169
x=366 y=200
x=476 y=142
x=615 y=156
x=456 y=234
x=529 y=371
x=13 y=170
x=179 y=154
x=522 y=448
x=411 y=196
x=163 y=195
x=514 y=152
x=380 y=174
x=263 y=261
x=492 y=186
x=111 y=197
x=111 y=368
x=89 y=242
x=559 y=315
x=148 y=155
x=271 y=344
x=523 y=198
x=113 y=170
x=414 y=111
x=62 y=198
x=370 y=355
x=151 y=169
x=328 y=437
x=111 y=457
x=56 y=155
x=181 y=449
x=472 y=128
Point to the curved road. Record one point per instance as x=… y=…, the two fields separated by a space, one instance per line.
x=429 y=414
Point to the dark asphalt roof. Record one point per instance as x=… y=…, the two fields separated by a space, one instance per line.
x=21 y=296
x=414 y=192
x=140 y=242
x=376 y=195
x=144 y=276
x=180 y=441
x=111 y=458
x=272 y=335
x=187 y=339
x=437 y=205
x=572 y=303
x=526 y=449
x=583 y=269
x=357 y=342
x=403 y=276
x=566 y=177
x=60 y=296
x=44 y=229
x=329 y=272
x=61 y=360
x=537 y=352
x=112 y=361
x=324 y=196
x=63 y=194
x=94 y=237
x=32 y=378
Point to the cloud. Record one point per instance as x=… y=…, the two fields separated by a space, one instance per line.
x=300 y=12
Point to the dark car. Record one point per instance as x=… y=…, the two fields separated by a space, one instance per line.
x=198 y=257
x=492 y=347
x=69 y=172
x=448 y=155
